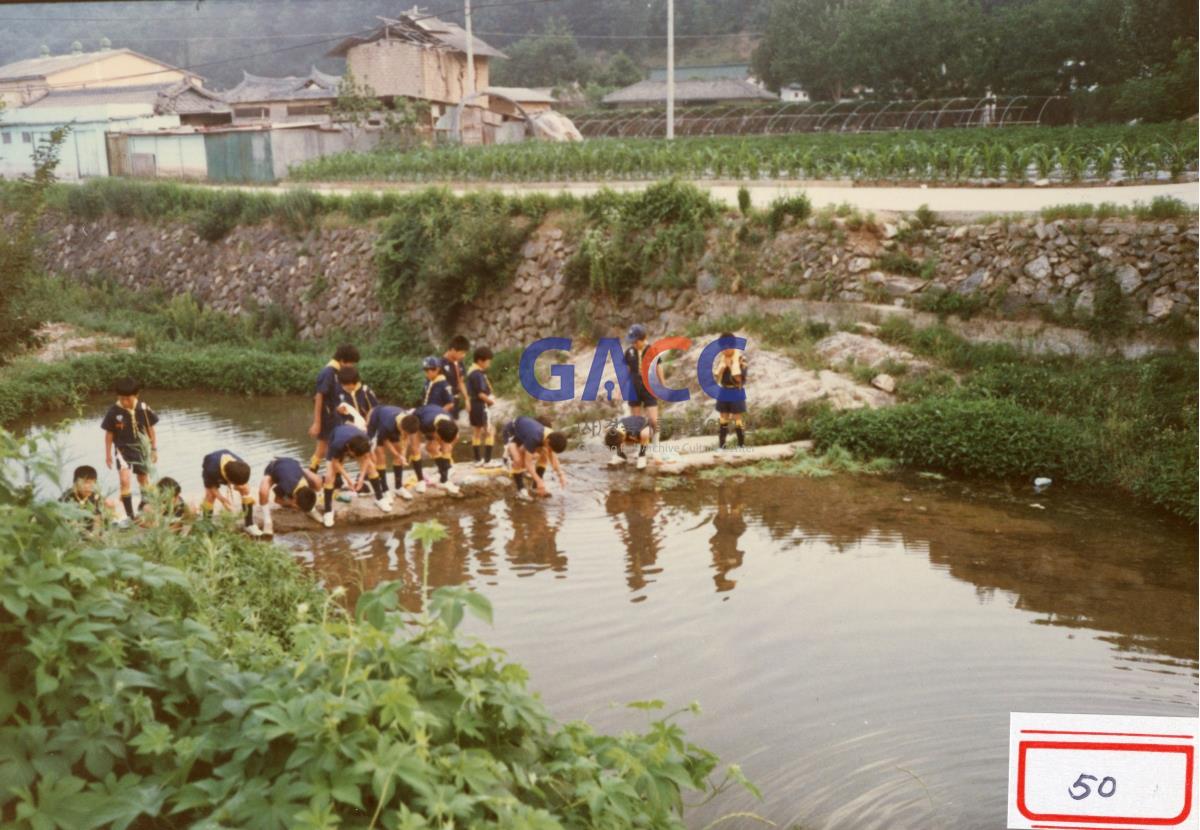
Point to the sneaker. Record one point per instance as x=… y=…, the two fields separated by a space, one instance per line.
x=493 y=464
x=384 y=504
x=421 y=488
x=452 y=488
x=123 y=523
x=268 y=531
x=478 y=465
x=327 y=519
x=405 y=494
x=253 y=531
x=641 y=462
x=615 y=460
x=316 y=515
x=523 y=495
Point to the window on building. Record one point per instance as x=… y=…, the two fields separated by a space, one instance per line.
x=26 y=138
x=8 y=138
x=307 y=109
x=250 y=112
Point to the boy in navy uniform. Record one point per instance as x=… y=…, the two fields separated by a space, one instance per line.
x=452 y=369
x=632 y=429
x=386 y=437
x=643 y=401
x=170 y=505
x=532 y=447
x=355 y=399
x=325 y=401
x=84 y=496
x=348 y=440
x=292 y=485
x=438 y=391
x=223 y=468
x=730 y=370
x=480 y=398
x=437 y=428
x=128 y=424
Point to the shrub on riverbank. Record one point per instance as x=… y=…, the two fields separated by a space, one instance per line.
x=157 y=681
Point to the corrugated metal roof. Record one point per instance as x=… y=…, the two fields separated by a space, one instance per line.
x=429 y=32
x=33 y=68
x=178 y=97
x=717 y=89
x=737 y=71
x=254 y=88
x=521 y=94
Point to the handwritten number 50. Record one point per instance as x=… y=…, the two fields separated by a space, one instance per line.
x=1107 y=787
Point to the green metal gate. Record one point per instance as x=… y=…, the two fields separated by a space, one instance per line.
x=239 y=156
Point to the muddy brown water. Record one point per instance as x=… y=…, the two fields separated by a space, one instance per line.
x=856 y=643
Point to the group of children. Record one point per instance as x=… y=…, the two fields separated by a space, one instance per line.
x=638 y=428
x=350 y=425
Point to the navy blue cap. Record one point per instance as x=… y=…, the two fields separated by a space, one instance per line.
x=636 y=332
x=431 y=363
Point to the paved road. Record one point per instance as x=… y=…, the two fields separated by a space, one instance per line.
x=949 y=201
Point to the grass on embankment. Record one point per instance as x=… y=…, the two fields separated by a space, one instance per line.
x=182 y=346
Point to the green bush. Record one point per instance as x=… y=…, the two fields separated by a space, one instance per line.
x=798 y=207
x=138 y=689
x=446 y=250
x=973 y=437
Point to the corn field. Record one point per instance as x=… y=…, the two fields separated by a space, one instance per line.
x=1018 y=154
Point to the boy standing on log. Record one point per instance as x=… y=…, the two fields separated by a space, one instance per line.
x=129 y=428
x=325 y=402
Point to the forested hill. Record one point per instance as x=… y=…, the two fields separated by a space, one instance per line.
x=220 y=38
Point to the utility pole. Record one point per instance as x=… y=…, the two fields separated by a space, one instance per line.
x=670 y=69
x=470 y=54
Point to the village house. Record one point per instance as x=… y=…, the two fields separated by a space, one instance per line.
x=281 y=100
x=95 y=95
x=420 y=58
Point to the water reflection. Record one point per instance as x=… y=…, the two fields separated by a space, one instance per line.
x=636 y=521
x=857 y=643
x=728 y=528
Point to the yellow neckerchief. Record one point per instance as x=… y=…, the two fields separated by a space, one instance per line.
x=132 y=415
x=225 y=459
x=303 y=483
x=442 y=417
x=334 y=365
x=429 y=384
x=352 y=390
x=475 y=367
x=399 y=418
x=731 y=364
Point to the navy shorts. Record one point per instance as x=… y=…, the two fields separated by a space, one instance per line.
x=328 y=422
x=478 y=416
x=643 y=397
x=731 y=407
x=130 y=458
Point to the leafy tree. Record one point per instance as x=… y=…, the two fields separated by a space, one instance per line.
x=804 y=45
x=620 y=72
x=549 y=59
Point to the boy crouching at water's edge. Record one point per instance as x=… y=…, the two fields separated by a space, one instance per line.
x=437 y=428
x=386 y=434
x=632 y=429
x=223 y=468
x=83 y=495
x=531 y=448
x=292 y=485
x=350 y=440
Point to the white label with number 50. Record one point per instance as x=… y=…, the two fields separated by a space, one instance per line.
x=1084 y=770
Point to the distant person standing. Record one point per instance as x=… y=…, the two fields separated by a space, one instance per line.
x=730 y=371
x=643 y=402
x=455 y=372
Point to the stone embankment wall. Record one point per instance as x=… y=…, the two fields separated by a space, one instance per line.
x=326 y=278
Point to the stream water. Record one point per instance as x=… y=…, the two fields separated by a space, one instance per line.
x=856 y=643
